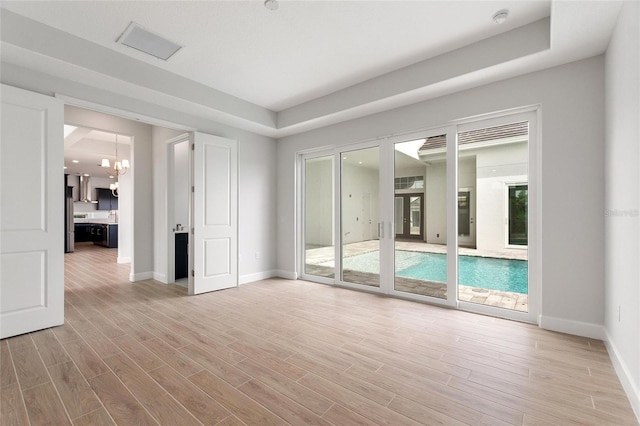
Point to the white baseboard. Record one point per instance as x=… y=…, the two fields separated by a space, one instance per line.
x=160 y=277
x=289 y=275
x=628 y=384
x=124 y=260
x=258 y=276
x=578 y=328
x=141 y=276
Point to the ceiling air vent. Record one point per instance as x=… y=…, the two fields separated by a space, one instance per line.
x=152 y=44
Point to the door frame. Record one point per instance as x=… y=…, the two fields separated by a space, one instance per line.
x=406 y=213
x=170 y=201
x=133 y=116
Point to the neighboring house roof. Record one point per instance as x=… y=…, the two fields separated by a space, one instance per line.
x=481 y=135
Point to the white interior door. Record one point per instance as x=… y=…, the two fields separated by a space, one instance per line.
x=31 y=212
x=215 y=214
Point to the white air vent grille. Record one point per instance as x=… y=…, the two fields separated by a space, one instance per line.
x=152 y=44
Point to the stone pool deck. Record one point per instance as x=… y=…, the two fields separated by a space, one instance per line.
x=316 y=257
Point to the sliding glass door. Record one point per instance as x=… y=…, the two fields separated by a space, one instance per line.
x=420 y=216
x=493 y=213
x=319 y=224
x=443 y=215
x=360 y=215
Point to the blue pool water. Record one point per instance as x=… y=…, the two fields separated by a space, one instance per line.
x=480 y=272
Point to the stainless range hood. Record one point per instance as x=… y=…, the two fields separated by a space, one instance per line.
x=85 y=189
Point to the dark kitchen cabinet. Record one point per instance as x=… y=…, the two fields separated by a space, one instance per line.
x=106 y=199
x=105 y=234
x=82 y=232
x=182 y=255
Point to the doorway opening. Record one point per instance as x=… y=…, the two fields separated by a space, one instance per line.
x=178 y=209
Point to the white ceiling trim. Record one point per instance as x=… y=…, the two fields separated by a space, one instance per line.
x=100 y=73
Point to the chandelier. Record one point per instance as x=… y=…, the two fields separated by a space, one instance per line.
x=120 y=167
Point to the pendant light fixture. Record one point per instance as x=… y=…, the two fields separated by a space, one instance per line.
x=120 y=167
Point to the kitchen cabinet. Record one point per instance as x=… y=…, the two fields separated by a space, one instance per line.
x=105 y=234
x=82 y=232
x=106 y=199
x=182 y=255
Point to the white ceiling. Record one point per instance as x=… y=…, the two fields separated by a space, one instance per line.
x=89 y=146
x=267 y=71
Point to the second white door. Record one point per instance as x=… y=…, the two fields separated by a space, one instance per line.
x=215 y=214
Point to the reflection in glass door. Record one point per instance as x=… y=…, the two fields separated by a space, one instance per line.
x=359 y=216
x=408 y=216
x=518 y=214
x=420 y=216
x=319 y=249
x=492 y=228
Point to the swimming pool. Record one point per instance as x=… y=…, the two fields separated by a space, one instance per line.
x=480 y=272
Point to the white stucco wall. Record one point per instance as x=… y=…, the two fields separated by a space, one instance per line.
x=436 y=203
x=496 y=167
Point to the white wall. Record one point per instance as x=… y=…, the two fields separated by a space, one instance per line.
x=436 y=203
x=622 y=205
x=571 y=99
x=496 y=167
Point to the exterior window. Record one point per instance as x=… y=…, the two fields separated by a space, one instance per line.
x=409 y=182
x=518 y=202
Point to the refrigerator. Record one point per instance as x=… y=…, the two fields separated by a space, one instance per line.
x=69 y=227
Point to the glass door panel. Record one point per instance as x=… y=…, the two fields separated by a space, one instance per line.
x=359 y=216
x=319 y=231
x=492 y=216
x=420 y=175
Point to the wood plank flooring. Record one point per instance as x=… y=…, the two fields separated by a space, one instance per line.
x=283 y=352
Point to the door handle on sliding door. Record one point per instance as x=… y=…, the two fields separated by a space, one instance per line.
x=380 y=229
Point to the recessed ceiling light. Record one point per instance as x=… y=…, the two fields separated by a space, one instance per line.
x=65 y=167
x=75 y=161
x=359 y=162
x=145 y=41
x=271 y=4
x=500 y=16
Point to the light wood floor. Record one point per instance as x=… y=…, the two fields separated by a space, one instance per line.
x=292 y=352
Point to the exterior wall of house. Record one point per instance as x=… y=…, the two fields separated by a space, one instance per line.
x=496 y=167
